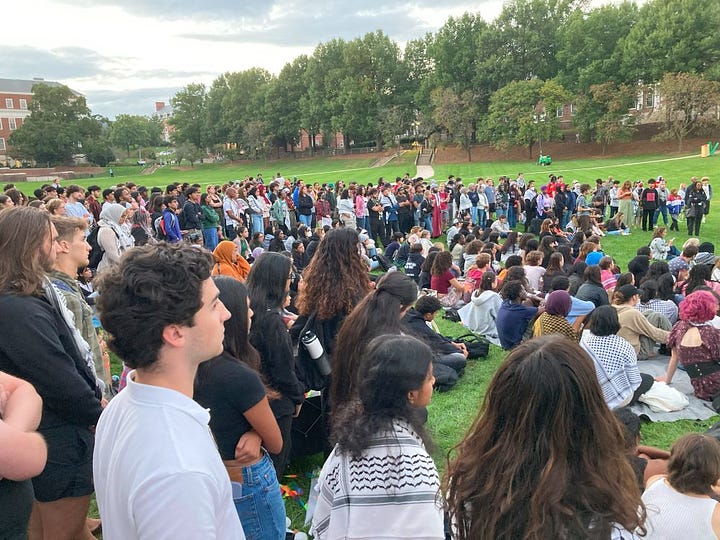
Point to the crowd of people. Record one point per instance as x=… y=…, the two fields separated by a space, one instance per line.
x=227 y=304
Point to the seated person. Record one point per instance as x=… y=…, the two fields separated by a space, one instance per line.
x=579 y=309
x=680 y=505
x=513 y=317
x=533 y=269
x=642 y=330
x=501 y=226
x=395 y=241
x=445 y=351
x=480 y=314
x=442 y=279
x=646 y=461
x=414 y=262
x=553 y=321
x=615 y=360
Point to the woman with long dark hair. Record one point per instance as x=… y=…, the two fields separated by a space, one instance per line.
x=379 y=481
x=380 y=312
x=242 y=421
x=269 y=286
x=545 y=456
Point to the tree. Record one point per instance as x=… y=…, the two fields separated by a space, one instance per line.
x=189 y=110
x=518 y=114
x=689 y=104
x=244 y=101
x=99 y=152
x=587 y=44
x=672 y=36
x=457 y=114
x=522 y=42
x=255 y=139
x=128 y=130
x=58 y=125
x=602 y=114
x=282 y=110
x=188 y=152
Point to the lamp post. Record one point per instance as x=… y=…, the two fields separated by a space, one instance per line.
x=539 y=119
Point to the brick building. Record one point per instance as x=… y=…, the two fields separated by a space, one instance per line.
x=15 y=98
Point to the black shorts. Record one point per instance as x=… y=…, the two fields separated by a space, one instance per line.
x=68 y=472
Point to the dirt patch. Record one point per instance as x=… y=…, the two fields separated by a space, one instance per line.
x=566 y=150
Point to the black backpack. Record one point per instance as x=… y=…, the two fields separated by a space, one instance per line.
x=96 y=251
x=477 y=346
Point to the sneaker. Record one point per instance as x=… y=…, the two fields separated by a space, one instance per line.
x=626 y=234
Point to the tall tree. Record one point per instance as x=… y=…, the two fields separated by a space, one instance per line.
x=58 y=124
x=522 y=113
x=457 y=114
x=522 y=42
x=672 y=36
x=245 y=100
x=602 y=114
x=689 y=105
x=130 y=130
x=282 y=110
x=587 y=42
x=215 y=130
x=189 y=110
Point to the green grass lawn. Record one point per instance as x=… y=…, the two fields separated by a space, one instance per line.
x=452 y=413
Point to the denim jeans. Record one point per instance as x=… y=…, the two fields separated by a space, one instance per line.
x=260 y=507
x=512 y=217
x=662 y=209
x=257 y=223
x=210 y=238
x=474 y=214
x=428 y=222
x=482 y=218
x=306 y=220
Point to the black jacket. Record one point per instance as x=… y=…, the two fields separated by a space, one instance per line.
x=415 y=323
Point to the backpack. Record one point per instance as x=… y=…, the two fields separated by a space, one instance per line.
x=96 y=250
x=477 y=346
x=159 y=227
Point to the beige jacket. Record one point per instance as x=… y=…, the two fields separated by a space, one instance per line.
x=633 y=325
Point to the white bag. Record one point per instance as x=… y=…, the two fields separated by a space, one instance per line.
x=663 y=398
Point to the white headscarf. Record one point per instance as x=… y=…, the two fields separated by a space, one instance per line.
x=110 y=217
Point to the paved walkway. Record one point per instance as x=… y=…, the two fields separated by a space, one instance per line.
x=425 y=171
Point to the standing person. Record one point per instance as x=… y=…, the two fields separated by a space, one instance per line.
x=72 y=253
x=113 y=237
x=170 y=221
x=390 y=213
x=50 y=359
x=625 y=202
x=649 y=203
x=305 y=206
x=583 y=209
x=192 y=213
x=489 y=191
x=231 y=210
x=269 y=289
x=242 y=422
x=695 y=203
x=675 y=205
x=210 y=223
x=23 y=454
x=613 y=195
x=379 y=481
x=663 y=195
x=162 y=477
x=510 y=479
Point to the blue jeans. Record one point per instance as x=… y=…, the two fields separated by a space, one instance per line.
x=500 y=212
x=210 y=238
x=474 y=214
x=482 y=218
x=260 y=507
x=662 y=209
x=512 y=217
x=306 y=220
x=257 y=223
x=428 y=222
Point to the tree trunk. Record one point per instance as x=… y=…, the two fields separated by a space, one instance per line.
x=530 y=147
x=468 y=149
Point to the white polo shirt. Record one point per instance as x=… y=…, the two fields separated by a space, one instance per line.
x=158 y=473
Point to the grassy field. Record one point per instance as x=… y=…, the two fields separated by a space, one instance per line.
x=452 y=413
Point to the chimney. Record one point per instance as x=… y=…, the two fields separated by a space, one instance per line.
x=159 y=105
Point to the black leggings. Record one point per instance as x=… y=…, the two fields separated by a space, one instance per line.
x=645 y=384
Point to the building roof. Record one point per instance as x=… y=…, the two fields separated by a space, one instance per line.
x=22 y=86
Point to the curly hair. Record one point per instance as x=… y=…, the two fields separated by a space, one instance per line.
x=545 y=457
x=698 y=307
x=152 y=287
x=335 y=279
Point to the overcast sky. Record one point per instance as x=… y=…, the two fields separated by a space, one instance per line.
x=124 y=55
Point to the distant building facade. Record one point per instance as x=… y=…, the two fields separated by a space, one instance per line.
x=164 y=113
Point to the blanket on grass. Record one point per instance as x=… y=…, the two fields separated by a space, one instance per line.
x=697 y=410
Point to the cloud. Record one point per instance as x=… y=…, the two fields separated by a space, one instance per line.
x=140 y=101
x=21 y=62
x=182 y=9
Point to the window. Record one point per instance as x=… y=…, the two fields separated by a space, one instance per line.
x=23 y=104
x=12 y=124
x=649 y=98
x=0 y=124
x=559 y=112
x=572 y=109
x=9 y=103
x=2 y=143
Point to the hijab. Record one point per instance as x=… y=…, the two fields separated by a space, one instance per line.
x=224 y=264
x=558 y=303
x=110 y=217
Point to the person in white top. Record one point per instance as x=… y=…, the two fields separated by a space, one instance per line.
x=157 y=470
x=681 y=504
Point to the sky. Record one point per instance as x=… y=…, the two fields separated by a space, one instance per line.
x=124 y=55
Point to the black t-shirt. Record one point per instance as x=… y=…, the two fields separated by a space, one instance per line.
x=228 y=388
